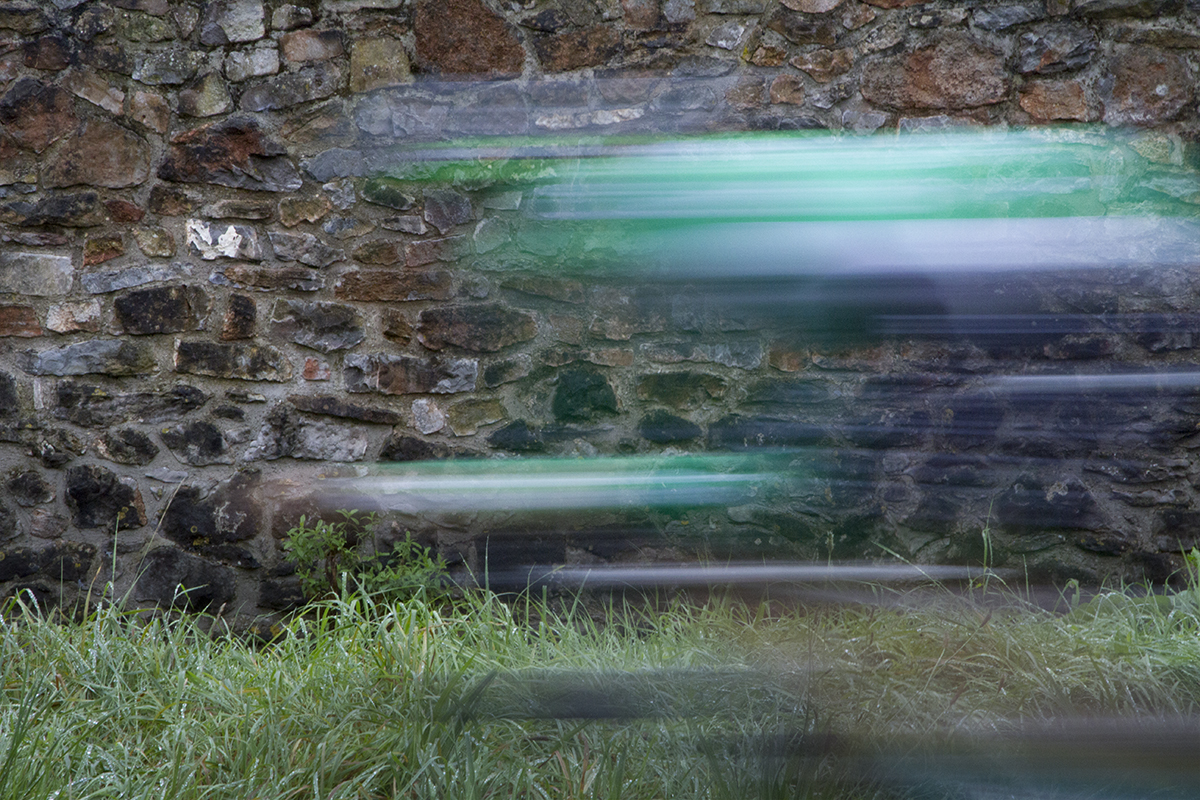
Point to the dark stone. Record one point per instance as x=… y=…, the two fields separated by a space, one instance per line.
x=936 y=513
x=507 y=371
x=97 y=356
x=953 y=469
x=21 y=562
x=681 y=389
x=100 y=153
x=1177 y=529
x=171 y=201
x=1107 y=543
x=1151 y=9
x=229 y=514
x=390 y=374
x=388 y=285
x=465 y=37
x=396 y=326
x=36 y=114
x=244 y=362
x=240 y=318
x=10 y=404
x=198 y=443
x=229 y=412
x=569 y=50
x=736 y=432
x=55 y=447
x=29 y=488
x=162 y=309
x=336 y=162
x=389 y=192
x=107 y=57
x=517 y=437
x=281 y=594
x=172 y=578
x=81 y=210
x=485 y=328
x=51 y=53
x=300 y=279
x=1055 y=48
x=401 y=447
x=98 y=499
x=322 y=326
x=68 y=562
x=127 y=446
x=336 y=407
x=23 y=19
x=1001 y=17
x=94 y=407
x=1030 y=506
x=234 y=152
x=664 y=427
x=290 y=89
x=973 y=421
x=581 y=395
x=445 y=209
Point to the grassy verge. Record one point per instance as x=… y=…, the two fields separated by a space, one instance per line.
x=414 y=699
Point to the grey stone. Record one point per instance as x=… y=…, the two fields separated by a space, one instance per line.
x=29 y=488
x=213 y=240
x=581 y=395
x=727 y=36
x=197 y=443
x=95 y=407
x=663 y=427
x=305 y=248
x=405 y=223
x=238 y=209
x=745 y=355
x=40 y=274
x=231 y=21
x=517 y=437
x=1055 y=48
x=168 y=67
x=336 y=407
x=322 y=326
x=287 y=436
x=81 y=210
x=243 y=362
x=98 y=356
x=445 y=209
x=427 y=416
x=257 y=62
x=998 y=18
x=301 y=279
x=311 y=83
x=207 y=96
x=346 y=227
x=335 y=162
x=129 y=277
x=288 y=17
x=391 y=374
x=507 y=371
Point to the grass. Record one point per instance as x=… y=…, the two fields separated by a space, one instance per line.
x=410 y=698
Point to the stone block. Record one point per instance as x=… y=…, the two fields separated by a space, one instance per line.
x=162 y=309
x=99 y=499
x=316 y=82
x=804 y=29
x=582 y=395
x=127 y=446
x=311 y=45
x=467 y=417
x=257 y=62
x=155 y=242
x=77 y=210
x=97 y=356
x=321 y=326
x=1051 y=101
x=92 y=406
x=198 y=443
x=428 y=417
x=171 y=578
x=663 y=427
x=387 y=285
x=206 y=96
x=1053 y=48
x=482 y=328
x=465 y=37
x=956 y=72
x=305 y=248
x=517 y=437
x=232 y=21
x=301 y=279
x=235 y=361
x=150 y=110
x=336 y=407
x=241 y=316
x=570 y=50
x=1149 y=86
x=29 y=488
x=401 y=447
x=95 y=89
x=444 y=209
x=19 y=321
x=286 y=435
x=234 y=152
x=294 y=210
x=129 y=277
x=378 y=62
x=171 y=67
x=35 y=114
x=682 y=389
x=391 y=374
x=824 y=65
x=508 y=370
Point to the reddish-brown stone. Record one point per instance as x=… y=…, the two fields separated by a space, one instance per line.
x=316 y=370
x=640 y=15
x=396 y=326
x=98 y=249
x=297 y=278
x=483 y=328
x=50 y=53
x=464 y=37
x=234 y=152
x=380 y=251
x=787 y=89
x=768 y=56
x=954 y=73
x=35 y=115
x=1149 y=86
x=427 y=251
x=310 y=45
x=102 y=153
x=569 y=50
x=824 y=65
x=1047 y=101
x=240 y=318
x=19 y=321
x=124 y=211
x=747 y=93
x=389 y=285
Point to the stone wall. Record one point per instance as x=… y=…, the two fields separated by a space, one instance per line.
x=210 y=293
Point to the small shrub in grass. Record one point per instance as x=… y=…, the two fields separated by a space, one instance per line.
x=333 y=556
